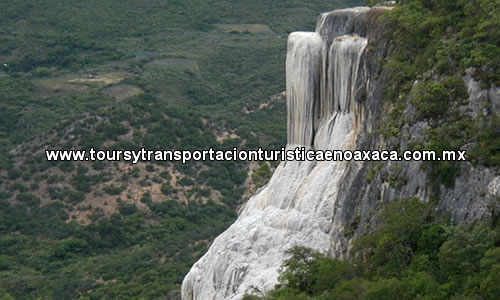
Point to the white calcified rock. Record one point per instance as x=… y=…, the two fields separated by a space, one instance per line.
x=303 y=70
x=298 y=207
x=494 y=187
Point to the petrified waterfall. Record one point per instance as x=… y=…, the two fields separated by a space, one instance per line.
x=299 y=206
x=303 y=74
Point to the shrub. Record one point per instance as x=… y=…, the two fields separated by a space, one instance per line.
x=29 y=199
x=114 y=190
x=71 y=247
x=127 y=209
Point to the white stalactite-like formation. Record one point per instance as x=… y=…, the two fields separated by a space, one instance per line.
x=303 y=71
x=298 y=207
x=339 y=110
x=344 y=56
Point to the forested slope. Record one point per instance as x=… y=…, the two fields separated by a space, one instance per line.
x=125 y=75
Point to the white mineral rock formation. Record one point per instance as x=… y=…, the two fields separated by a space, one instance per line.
x=298 y=207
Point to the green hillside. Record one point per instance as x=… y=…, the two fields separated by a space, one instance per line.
x=413 y=253
x=125 y=75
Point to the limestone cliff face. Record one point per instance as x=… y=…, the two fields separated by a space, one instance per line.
x=334 y=99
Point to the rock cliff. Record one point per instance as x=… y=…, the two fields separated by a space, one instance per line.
x=334 y=101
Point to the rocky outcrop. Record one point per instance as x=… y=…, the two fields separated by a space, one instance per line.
x=299 y=205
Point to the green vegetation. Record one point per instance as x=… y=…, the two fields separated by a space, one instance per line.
x=435 y=42
x=128 y=255
x=414 y=253
x=433 y=99
x=262 y=175
x=446 y=37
